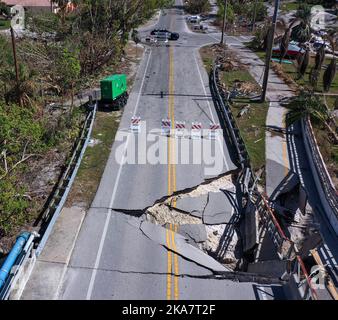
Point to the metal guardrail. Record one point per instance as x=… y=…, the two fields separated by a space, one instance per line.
x=286 y=248
x=330 y=192
x=228 y=119
x=65 y=183
x=54 y=207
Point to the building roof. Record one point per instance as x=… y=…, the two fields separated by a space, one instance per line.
x=28 y=3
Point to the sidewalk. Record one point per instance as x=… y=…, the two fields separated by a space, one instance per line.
x=277 y=157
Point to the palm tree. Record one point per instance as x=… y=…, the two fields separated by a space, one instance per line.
x=314 y=77
x=284 y=45
x=330 y=71
x=25 y=90
x=303 y=62
x=302 y=32
x=309 y=105
x=320 y=57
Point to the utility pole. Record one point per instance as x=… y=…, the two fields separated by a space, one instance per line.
x=224 y=21
x=269 y=51
x=15 y=63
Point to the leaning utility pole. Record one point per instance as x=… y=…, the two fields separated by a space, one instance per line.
x=269 y=51
x=14 y=56
x=224 y=21
x=15 y=62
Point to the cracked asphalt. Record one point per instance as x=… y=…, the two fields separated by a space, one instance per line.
x=121 y=256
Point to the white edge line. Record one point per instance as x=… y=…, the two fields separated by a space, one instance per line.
x=212 y=116
x=57 y=293
x=105 y=229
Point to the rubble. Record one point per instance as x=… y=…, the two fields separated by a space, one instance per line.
x=203 y=217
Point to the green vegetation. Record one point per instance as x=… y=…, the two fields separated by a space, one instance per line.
x=70 y=52
x=198 y=6
x=289 y=6
x=291 y=74
x=4 y=24
x=306 y=104
x=242 y=13
x=25 y=137
x=252 y=123
x=95 y=159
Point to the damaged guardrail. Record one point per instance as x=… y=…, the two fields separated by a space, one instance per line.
x=326 y=189
x=286 y=248
x=25 y=259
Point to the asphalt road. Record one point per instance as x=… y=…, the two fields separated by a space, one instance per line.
x=117 y=254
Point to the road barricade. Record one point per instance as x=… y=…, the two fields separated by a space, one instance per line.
x=196 y=130
x=213 y=130
x=135 y=126
x=165 y=127
x=179 y=129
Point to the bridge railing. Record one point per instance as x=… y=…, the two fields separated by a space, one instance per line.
x=229 y=123
x=326 y=189
x=286 y=248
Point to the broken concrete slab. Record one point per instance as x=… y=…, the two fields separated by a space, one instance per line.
x=163 y=214
x=192 y=204
x=219 y=209
x=196 y=232
x=182 y=247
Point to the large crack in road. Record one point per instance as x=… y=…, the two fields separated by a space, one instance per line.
x=206 y=216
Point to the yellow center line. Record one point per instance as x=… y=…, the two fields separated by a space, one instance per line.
x=169 y=266
x=176 y=291
x=172 y=188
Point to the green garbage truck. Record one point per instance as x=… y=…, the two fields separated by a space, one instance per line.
x=114 y=93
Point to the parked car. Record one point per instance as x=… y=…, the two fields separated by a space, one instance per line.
x=165 y=33
x=194 y=19
x=153 y=32
x=174 y=36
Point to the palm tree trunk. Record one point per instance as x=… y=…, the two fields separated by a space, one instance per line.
x=334 y=134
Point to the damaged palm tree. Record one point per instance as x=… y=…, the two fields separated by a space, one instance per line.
x=303 y=62
x=329 y=74
x=284 y=45
x=320 y=57
x=315 y=71
x=314 y=77
x=330 y=71
x=309 y=105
